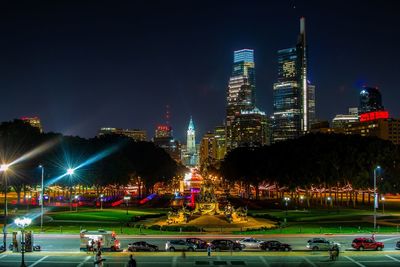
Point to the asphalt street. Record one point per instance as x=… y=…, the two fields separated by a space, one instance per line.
x=70 y=243
x=255 y=259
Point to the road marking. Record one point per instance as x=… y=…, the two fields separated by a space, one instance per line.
x=264 y=261
x=310 y=262
x=38 y=261
x=356 y=262
x=393 y=258
x=2 y=256
x=388 y=239
x=85 y=260
x=174 y=260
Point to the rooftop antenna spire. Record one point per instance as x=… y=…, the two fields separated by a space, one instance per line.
x=167 y=115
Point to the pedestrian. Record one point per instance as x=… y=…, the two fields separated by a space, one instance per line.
x=373 y=236
x=98 y=260
x=183 y=254
x=132 y=261
x=92 y=245
x=337 y=251
x=99 y=245
x=209 y=251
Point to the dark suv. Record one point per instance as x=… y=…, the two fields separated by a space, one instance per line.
x=199 y=243
x=275 y=245
x=366 y=243
x=223 y=244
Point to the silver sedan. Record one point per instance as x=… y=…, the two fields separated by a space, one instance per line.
x=250 y=243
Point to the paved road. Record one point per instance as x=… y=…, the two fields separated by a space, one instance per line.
x=166 y=259
x=55 y=242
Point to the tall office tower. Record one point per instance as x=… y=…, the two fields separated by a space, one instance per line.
x=34 y=122
x=370 y=100
x=241 y=88
x=293 y=95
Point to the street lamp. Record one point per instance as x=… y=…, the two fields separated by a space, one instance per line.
x=77 y=201
x=286 y=199
x=101 y=201
x=28 y=199
x=127 y=198
x=383 y=204
x=41 y=200
x=22 y=223
x=4 y=168
x=375 y=197
x=70 y=172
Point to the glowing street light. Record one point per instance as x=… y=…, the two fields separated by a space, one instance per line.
x=3 y=169
x=77 y=202
x=70 y=171
x=41 y=200
x=22 y=223
x=383 y=204
x=101 y=201
x=127 y=198
x=375 y=196
x=286 y=199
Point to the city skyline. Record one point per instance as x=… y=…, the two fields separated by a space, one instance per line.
x=79 y=73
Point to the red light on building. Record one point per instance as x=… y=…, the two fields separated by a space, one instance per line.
x=370 y=116
x=164 y=128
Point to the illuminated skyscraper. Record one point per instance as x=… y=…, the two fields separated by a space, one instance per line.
x=241 y=90
x=191 y=138
x=293 y=95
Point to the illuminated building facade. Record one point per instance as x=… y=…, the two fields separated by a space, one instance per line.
x=135 y=134
x=164 y=138
x=370 y=100
x=250 y=129
x=241 y=89
x=293 y=94
x=34 y=122
x=212 y=148
x=189 y=155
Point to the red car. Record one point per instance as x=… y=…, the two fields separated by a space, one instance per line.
x=362 y=243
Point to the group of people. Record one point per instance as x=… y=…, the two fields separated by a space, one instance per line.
x=98 y=260
x=334 y=252
x=93 y=246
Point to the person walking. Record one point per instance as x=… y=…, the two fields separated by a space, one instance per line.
x=209 y=251
x=337 y=250
x=132 y=261
x=98 y=260
x=92 y=245
x=373 y=236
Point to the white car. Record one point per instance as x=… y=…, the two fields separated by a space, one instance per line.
x=250 y=243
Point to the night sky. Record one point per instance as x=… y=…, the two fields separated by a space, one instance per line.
x=82 y=65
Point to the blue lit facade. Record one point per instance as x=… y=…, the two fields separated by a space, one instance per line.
x=370 y=100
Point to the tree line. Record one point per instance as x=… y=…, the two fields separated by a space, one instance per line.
x=107 y=160
x=317 y=165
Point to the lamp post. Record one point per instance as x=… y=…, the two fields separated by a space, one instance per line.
x=383 y=204
x=286 y=199
x=22 y=223
x=4 y=168
x=41 y=200
x=127 y=198
x=28 y=199
x=375 y=197
x=77 y=202
x=70 y=172
x=101 y=201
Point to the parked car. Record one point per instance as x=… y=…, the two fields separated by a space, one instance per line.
x=250 y=242
x=275 y=245
x=223 y=244
x=362 y=243
x=142 y=246
x=398 y=245
x=320 y=243
x=199 y=243
x=173 y=245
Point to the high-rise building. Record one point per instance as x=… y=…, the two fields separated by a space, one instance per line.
x=250 y=129
x=189 y=154
x=241 y=88
x=220 y=139
x=293 y=95
x=34 y=122
x=135 y=134
x=370 y=100
x=164 y=139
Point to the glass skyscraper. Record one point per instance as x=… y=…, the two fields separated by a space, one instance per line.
x=293 y=95
x=370 y=100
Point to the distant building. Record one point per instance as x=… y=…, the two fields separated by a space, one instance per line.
x=220 y=139
x=135 y=134
x=189 y=155
x=293 y=94
x=370 y=100
x=34 y=122
x=241 y=89
x=250 y=129
x=212 y=148
x=164 y=139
